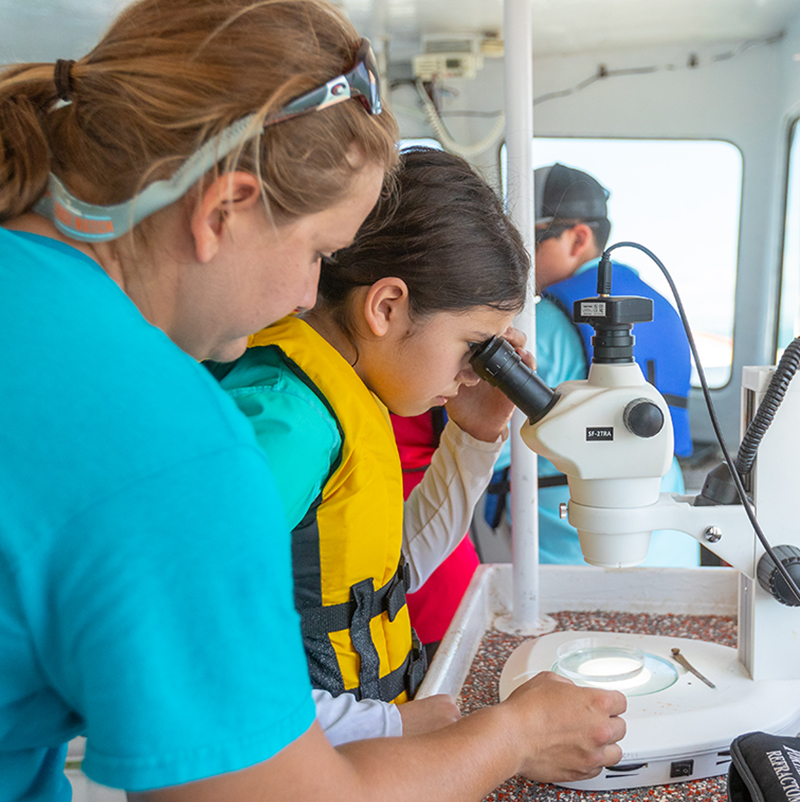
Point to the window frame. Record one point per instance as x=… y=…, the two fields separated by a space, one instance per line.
x=729 y=368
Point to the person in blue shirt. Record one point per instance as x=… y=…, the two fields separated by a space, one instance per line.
x=571 y=230
x=161 y=199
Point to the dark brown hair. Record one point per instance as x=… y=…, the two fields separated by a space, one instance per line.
x=444 y=232
x=169 y=76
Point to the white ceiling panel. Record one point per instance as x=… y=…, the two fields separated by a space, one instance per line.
x=32 y=30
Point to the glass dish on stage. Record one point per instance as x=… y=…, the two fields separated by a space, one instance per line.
x=629 y=670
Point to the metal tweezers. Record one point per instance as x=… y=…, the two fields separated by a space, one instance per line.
x=679 y=658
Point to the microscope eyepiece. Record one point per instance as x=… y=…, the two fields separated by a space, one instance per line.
x=498 y=363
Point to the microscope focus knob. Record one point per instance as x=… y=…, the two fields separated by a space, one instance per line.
x=771 y=579
x=643 y=418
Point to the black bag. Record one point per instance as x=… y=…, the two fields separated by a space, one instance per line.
x=764 y=768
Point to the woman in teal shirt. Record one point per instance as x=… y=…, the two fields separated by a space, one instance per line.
x=143 y=581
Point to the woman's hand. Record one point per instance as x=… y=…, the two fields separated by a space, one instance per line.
x=484 y=411
x=573 y=731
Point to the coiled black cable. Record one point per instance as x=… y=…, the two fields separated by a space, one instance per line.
x=787 y=367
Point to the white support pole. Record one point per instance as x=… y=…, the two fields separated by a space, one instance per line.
x=517 y=26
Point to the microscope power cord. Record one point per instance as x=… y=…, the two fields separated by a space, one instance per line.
x=605 y=262
x=778 y=385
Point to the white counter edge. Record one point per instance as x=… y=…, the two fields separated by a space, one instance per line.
x=680 y=591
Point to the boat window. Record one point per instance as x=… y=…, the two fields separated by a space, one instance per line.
x=668 y=195
x=789 y=318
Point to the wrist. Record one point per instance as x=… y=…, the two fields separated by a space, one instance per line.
x=485 y=435
x=492 y=434
x=505 y=737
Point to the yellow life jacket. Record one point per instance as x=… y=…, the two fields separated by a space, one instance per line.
x=350 y=578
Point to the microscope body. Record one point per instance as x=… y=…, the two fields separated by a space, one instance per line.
x=611 y=434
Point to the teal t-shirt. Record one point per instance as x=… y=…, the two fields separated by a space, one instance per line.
x=293 y=426
x=145 y=572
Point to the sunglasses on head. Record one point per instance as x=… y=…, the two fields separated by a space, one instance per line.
x=361 y=83
x=90 y=222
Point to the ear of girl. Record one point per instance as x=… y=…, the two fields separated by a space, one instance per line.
x=386 y=306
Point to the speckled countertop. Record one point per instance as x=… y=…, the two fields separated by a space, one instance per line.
x=480 y=690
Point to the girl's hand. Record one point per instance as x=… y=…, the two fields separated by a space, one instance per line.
x=428 y=714
x=481 y=410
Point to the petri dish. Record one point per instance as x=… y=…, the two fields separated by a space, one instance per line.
x=585 y=659
x=629 y=670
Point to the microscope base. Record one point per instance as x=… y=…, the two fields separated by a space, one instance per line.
x=684 y=731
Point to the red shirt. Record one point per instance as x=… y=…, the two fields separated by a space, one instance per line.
x=433 y=606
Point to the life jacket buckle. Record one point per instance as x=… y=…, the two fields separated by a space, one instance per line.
x=417 y=665
x=395 y=598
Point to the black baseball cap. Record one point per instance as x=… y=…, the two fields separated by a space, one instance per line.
x=564 y=193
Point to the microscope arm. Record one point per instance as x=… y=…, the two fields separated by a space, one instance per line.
x=723 y=529
x=614 y=471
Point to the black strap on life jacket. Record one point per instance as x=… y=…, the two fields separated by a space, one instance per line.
x=355 y=615
x=408 y=676
x=363 y=594
x=678 y=401
x=559 y=480
x=391 y=598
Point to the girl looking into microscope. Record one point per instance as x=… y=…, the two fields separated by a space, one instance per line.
x=436 y=270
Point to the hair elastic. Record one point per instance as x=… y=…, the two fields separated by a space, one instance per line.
x=62 y=77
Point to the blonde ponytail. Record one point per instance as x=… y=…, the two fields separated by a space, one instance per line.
x=26 y=91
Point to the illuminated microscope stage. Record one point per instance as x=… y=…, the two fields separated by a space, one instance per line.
x=678 y=728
